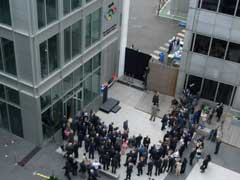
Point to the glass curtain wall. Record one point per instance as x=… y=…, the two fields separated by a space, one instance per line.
x=49 y=56
x=5 y=15
x=93 y=28
x=47 y=11
x=71 y=5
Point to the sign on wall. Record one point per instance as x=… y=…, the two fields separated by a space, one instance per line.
x=111 y=16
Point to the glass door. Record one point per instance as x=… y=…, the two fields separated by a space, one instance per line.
x=78 y=100
x=68 y=107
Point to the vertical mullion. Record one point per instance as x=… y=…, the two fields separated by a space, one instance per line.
x=71 y=56
x=3 y=56
x=45 y=12
x=47 y=51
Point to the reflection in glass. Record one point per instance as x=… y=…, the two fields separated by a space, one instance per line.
x=43 y=59
x=76 y=4
x=87 y=90
x=238 y=10
x=76 y=38
x=2 y=91
x=9 y=56
x=88 y=68
x=88 y=31
x=96 y=25
x=13 y=96
x=67 y=83
x=56 y=91
x=227 y=6
x=233 y=53
x=224 y=93
x=47 y=123
x=45 y=99
x=96 y=60
x=66 y=6
x=53 y=53
x=194 y=84
x=1 y=59
x=3 y=116
x=5 y=16
x=41 y=13
x=78 y=75
x=15 y=118
x=218 y=48
x=210 y=4
x=57 y=115
x=96 y=83
x=67 y=44
x=209 y=89
x=201 y=44
x=51 y=10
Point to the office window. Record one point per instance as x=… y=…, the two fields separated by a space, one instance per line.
x=68 y=83
x=2 y=91
x=87 y=1
x=227 y=6
x=201 y=44
x=53 y=54
x=87 y=68
x=47 y=11
x=78 y=75
x=96 y=83
x=13 y=96
x=47 y=123
x=76 y=38
x=49 y=56
x=96 y=26
x=56 y=91
x=224 y=93
x=96 y=61
x=73 y=41
x=57 y=114
x=238 y=10
x=70 y=5
x=93 y=28
x=45 y=99
x=4 y=116
x=8 y=57
x=67 y=44
x=218 y=48
x=209 y=89
x=5 y=17
x=1 y=59
x=233 y=53
x=15 y=118
x=194 y=84
x=210 y=4
x=87 y=90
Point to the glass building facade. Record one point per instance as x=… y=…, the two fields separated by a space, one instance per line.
x=211 y=51
x=53 y=64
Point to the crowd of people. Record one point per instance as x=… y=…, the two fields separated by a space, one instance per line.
x=110 y=143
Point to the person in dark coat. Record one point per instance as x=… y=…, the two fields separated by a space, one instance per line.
x=86 y=143
x=184 y=165
x=138 y=140
x=75 y=150
x=164 y=122
x=68 y=169
x=158 y=165
x=129 y=171
x=171 y=164
x=146 y=142
x=140 y=168
x=155 y=99
x=218 y=143
x=150 y=168
x=106 y=161
x=91 y=150
x=192 y=156
x=164 y=164
x=219 y=111
x=114 y=164
x=204 y=165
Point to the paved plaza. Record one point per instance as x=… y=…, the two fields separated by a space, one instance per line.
x=48 y=161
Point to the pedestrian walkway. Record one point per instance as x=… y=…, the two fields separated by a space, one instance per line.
x=164 y=48
x=213 y=171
